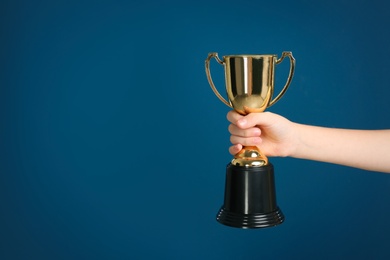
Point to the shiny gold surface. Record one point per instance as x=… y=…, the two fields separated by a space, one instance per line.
x=250 y=156
x=207 y=65
x=249 y=82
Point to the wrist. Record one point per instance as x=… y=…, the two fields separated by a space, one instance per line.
x=295 y=141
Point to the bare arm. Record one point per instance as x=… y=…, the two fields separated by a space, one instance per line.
x=277 y=136
x=365 y=149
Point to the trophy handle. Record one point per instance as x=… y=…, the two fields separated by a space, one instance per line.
x=290 y=75
x=207 y=66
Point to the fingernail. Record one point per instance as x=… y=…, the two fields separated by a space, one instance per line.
x=241 y=122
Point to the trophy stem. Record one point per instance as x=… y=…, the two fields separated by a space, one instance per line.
x=250 y=156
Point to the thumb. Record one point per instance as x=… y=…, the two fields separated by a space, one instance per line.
x=255 y=119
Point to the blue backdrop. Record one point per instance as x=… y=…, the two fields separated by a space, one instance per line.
x=113 y=146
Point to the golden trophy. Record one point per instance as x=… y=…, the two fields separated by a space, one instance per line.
x=250 y=196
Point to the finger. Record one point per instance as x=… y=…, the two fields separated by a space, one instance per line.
x=245 y=141
x=233 y=116
x=254 y=119
x=234 y=149
x=251 y=132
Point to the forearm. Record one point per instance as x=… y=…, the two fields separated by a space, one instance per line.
x=365 y=149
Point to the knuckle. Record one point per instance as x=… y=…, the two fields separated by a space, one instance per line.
x=231 y=128
x=232 y=139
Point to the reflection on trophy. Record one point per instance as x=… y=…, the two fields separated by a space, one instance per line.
x=250 y=196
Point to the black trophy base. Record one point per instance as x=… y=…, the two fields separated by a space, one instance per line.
x=250 y=198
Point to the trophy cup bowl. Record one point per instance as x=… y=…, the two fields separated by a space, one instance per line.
x=250 y=196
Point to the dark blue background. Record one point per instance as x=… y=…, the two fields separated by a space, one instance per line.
x=113 y=145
